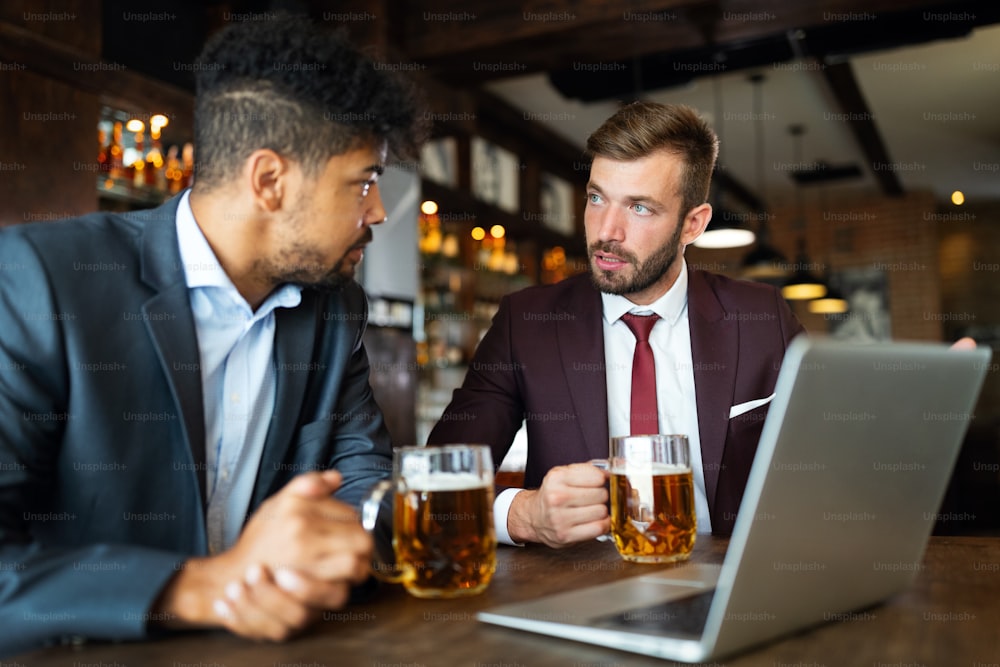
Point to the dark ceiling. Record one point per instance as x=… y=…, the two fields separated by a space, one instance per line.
x=593 y=51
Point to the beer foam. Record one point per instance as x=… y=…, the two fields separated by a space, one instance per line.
x=445 y=481
x=647 y=468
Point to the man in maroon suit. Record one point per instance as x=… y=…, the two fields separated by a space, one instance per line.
x=560 y=357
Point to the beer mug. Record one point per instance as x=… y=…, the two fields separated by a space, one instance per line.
x=653 y=516
x=442 y=531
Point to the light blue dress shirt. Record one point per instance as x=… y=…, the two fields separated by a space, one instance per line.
x=236 y=346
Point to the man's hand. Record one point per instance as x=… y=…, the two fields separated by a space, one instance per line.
x=570 y=507
x=298 y=555
x=964 y=343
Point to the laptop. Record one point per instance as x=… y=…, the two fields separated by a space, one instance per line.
x=854 y=458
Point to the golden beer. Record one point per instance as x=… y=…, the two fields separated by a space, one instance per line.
x=443 y=535
x=653 y=516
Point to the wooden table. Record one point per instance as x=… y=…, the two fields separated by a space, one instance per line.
x=950 y=616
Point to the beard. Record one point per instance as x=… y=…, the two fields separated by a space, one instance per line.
x=645 y=273
x=302 y=265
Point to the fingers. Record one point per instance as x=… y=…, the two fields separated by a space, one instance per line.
x=313 y=592
x=964 y=343
x=317 y=536
x=314 y=484
x=581 y=532
x=570 y=506
x=577 y=485
x=345 y=555
x=258 y=608
x=581 y=474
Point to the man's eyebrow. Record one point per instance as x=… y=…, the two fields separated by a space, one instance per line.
x=644 y=199
x=634 y=199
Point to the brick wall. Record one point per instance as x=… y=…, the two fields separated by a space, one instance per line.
x=898 y=236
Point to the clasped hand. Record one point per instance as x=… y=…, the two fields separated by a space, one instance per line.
x=297 y=556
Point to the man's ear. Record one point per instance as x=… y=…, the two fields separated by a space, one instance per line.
x=695 y=223
x=267 y=175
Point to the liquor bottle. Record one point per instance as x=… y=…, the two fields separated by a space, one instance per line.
x=115 y=149
x=173 y=171
x=187 y=158
x=153 y=172
x=139 y=164
x=102 y=151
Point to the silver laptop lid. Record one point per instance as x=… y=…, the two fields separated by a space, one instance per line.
x=853 y=462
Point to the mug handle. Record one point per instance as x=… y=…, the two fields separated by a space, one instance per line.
x=604 y=465
x=380 y=567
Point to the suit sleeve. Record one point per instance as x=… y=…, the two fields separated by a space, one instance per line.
x=50 y=592
x=489 y=407
x=361 y=448
x=790 y=325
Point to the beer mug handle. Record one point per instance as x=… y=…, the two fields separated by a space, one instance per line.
x=604 y=465
x=381 y=568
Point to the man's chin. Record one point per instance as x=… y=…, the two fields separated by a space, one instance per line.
x=609 y=282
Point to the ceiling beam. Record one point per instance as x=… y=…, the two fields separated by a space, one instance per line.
x=441 y=28
x=861 y=122
x=472 y=42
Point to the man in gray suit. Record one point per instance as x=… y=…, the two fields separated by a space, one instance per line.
x=186 y=423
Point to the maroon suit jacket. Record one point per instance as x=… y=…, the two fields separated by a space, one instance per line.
x=542 y=361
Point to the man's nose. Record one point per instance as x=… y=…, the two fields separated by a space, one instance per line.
x=375 y=212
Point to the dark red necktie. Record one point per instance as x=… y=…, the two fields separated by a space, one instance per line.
x=644 y=418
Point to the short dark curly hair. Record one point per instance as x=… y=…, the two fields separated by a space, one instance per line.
x=301 y=90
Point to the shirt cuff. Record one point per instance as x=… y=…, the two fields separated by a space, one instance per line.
x=501 y=507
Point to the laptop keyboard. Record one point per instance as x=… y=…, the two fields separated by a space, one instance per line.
x=684 y=617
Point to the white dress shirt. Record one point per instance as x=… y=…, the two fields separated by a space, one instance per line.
x=675 y=397
x=235 y=346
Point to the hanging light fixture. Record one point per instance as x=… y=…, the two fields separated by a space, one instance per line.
x=832 y=304
x=721 y=231
x=764 y=263
x=804 y=285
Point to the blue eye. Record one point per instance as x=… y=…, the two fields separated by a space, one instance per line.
x=594 y=198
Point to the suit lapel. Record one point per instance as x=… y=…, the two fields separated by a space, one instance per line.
x=714 y=351
x=294 y=338
x=580 y=340
x=171 y=327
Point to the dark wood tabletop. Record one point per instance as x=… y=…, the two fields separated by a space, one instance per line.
x=950 y=616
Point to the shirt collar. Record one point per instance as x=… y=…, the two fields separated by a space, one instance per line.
x=669 y=307
x=202 y=268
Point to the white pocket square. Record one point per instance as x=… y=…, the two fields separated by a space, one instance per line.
x=737 y=410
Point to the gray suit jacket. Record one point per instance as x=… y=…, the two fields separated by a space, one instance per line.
x=102 y=432
x=542 y=361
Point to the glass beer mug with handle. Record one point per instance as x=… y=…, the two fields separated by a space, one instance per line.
x=442 y=526
x=653 y=517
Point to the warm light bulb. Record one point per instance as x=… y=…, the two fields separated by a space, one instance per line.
x=725 y=238
x=135 y=125
x=803 y=291
x=957 y=198
x=828 y=306
x=497 y=231
x=449 y=248
x=429 y=207
x=478 y=233
x=158 y=121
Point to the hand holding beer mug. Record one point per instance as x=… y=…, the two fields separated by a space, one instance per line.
x=653 y=516
x=442 y=533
